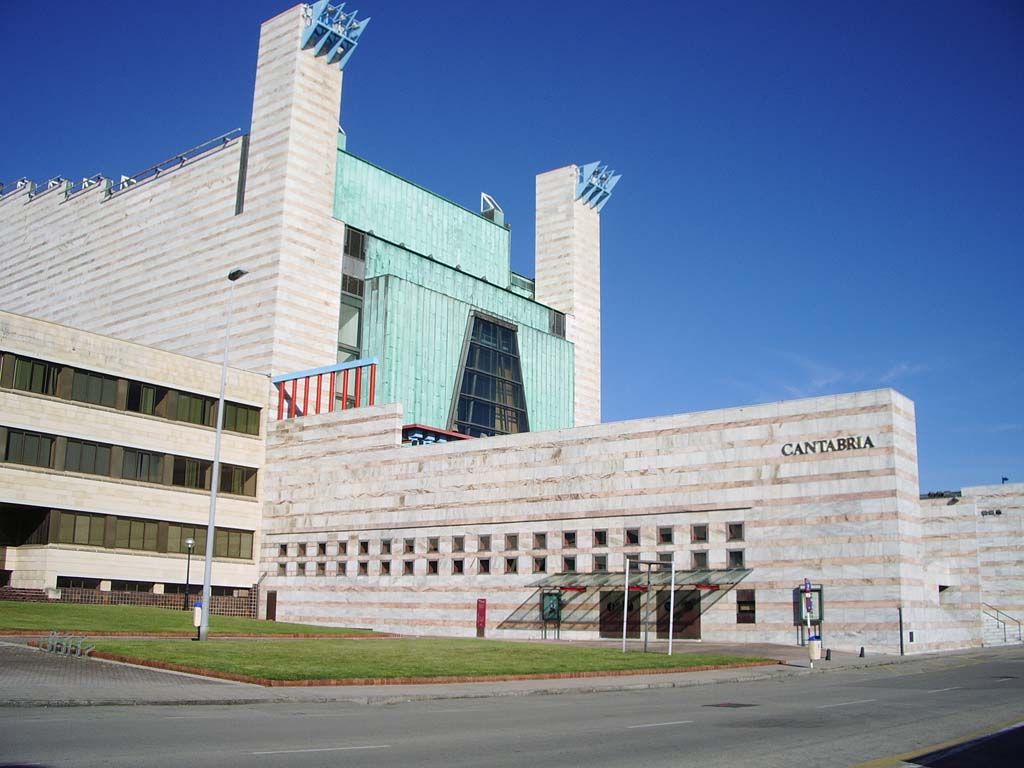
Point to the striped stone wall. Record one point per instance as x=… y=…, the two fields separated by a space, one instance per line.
x=343 y=502
x=148 y=263
x=568 y=264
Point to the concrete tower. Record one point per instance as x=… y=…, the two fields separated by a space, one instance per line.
x=568 y=265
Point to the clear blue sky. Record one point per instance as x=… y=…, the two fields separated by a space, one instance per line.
x=816 y=197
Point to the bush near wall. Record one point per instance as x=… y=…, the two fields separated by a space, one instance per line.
x=219 y=605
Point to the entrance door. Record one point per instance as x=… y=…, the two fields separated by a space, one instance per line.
x=687 y=620
x=272 y=605
x=611 y=614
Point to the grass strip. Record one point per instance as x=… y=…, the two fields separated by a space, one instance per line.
x=83 y=619
x=400 y=658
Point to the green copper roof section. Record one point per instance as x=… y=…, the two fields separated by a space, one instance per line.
x=416 y=313
x=374 y=200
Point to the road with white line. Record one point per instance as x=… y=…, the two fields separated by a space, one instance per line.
x=839 y=718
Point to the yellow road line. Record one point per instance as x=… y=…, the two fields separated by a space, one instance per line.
x=895 y=760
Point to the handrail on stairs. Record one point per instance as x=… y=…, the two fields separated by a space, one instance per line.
x=998 y=615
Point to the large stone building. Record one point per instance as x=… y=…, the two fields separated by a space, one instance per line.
x=414 y=440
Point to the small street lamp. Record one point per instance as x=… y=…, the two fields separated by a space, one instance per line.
x=191 y=544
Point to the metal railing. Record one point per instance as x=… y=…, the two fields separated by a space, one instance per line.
x=174 y=162
x=342 y=386
x=998 y=615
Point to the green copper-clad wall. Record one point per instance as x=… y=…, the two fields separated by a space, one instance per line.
x=429 y=265
x=416 y=313
x=369 y=198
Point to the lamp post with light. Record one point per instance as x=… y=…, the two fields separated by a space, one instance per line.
x=190 y=543
x=204 y=624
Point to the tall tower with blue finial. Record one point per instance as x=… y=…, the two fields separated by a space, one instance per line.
x=289 y=192
x=568 y=269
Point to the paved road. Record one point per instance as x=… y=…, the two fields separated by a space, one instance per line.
x=834 y=719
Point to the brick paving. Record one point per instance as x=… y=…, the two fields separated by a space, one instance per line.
x=29 y=676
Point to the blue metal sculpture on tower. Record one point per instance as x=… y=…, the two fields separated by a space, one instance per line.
x=332 y=32
x=595 y=184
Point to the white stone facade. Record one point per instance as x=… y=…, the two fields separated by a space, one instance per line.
x=341 y=492
x=37 y=566
x=568 y=258
x=148 y=263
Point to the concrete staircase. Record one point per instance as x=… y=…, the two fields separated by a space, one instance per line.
x=999 y=628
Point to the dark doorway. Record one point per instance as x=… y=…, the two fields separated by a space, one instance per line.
x=272 y=605
x=611 y=614
x=687 y=620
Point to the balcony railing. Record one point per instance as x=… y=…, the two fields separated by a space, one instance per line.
x=327 y=389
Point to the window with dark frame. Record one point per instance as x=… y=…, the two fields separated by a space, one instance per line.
x=746 y=607
x=87 y=457
x=699 y=533
x=29 y=448
x=632 y=537
x=410 y=546
x=94 y=388
x=483 y=566
x=433 y=544
x=385 y=567
x=540 y=541
x=511 y=541
x=364 y=568
x=458 y=543
x=342 y=547
x=491 y=399
x=540 y=565
x=321 y=569
x=364 y=547
x=569 y=539
x=407 y=567
x=569 y=564
x=145 y=466
x=40 y=377
x=282 y=550
x=734 y=558
x=511 y=565
x=321 y=548
x=700 y=561
x=665 y=535
x=36 y=376
x=600 y=538
x=432 y=567
x=458 y=567
x=385 y=546
x=734 y=532
x=484 y=542
x=600 y=563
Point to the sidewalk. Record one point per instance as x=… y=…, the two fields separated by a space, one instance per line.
x=30 y=677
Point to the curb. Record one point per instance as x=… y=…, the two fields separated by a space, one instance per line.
x=217 y=635
x=386 y=681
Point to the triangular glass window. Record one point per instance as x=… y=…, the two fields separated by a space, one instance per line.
x=490 y=399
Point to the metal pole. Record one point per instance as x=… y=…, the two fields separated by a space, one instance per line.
x=900 y=609
x=188 y=566
x=672 y=605
x=204 y=621
x=625 y=606
x=647 y=609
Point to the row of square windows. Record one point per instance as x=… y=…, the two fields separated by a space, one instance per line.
x=486 y=566
x=431 y=544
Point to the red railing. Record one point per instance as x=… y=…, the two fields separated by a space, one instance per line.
x=294 y=390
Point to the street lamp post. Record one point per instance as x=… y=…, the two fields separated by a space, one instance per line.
x=204 y=622
x=190 y=544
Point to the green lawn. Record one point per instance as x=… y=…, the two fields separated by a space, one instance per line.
x=350 y=659
x=68 y=617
